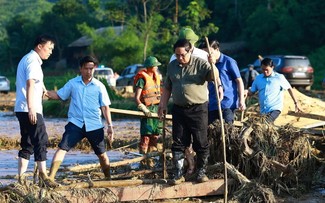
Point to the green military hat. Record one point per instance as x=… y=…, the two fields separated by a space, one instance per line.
x=189 y=34
x=151 y=61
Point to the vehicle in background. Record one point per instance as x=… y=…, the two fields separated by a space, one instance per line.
x=4 y=84
x=127 y=76
x=106 y=73
x=297 y=69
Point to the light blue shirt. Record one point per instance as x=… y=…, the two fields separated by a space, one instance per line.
x=29 y=67
x=270 y=91
x=85 y=103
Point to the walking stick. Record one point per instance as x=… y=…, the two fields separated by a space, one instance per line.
x=222 y=126
x=164 y=147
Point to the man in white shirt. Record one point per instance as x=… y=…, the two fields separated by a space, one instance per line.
x=29 y=109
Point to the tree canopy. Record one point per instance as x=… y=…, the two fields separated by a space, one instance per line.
x=150 y=27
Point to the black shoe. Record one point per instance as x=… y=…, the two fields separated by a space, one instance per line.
x=201 y=176
x=177 y=181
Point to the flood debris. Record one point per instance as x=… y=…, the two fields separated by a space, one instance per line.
x=271 y=160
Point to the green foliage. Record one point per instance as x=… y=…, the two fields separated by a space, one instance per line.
x=151 y=28
x=317 y=60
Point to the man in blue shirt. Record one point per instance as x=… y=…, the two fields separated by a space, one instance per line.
x=270 y=86
x=89 y=99
x=233 y=86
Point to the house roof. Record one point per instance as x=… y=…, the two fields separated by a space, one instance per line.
x=86 y=41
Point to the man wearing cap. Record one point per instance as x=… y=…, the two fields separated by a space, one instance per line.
x=189 y=34
x=147 y=98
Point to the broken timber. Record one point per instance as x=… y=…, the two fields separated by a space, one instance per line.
x=146 y=191
x=89 y=167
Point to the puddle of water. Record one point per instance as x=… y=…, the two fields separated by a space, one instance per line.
x=9 y=162
x=9 y=127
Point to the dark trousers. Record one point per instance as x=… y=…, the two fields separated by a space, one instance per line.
x=271 y=116
x=190 y=126
x=34 y=138
x=227 y=114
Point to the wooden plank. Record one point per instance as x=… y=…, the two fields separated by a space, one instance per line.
x=307 y=115
x=314 y=125
x=147 y=192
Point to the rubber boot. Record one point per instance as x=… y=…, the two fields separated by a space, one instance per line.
x=54 y=169
x=105 y=165
x=107 y=172
x=153 y=139
x=143 y=149
x=22 y=179
x=22 y=168
x=177 y=176
x=202 y=162
x=44 y=181
x=150 y=161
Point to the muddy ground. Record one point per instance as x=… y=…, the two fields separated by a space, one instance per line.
x=128 y=132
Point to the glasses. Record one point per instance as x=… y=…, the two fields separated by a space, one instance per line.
x=181 y=55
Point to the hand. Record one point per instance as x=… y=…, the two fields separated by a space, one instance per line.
x=242 y=106
x=161 y=112
x=110 y=133
x=144 y=109
x=220 y=90
x=297 y=108
x=32 y=116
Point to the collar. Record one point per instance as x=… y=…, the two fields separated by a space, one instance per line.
x=79 y=79
x=272 y=74
x=221 y=58
x=188 y=64
x=40 y=61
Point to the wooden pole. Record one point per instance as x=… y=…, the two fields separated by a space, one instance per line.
x=153 y=115
x=222 y=126
x=164 y=147
x=137 y=113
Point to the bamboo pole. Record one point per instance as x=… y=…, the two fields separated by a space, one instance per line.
x=222 y=126
x=137 y=113
x=153 y=115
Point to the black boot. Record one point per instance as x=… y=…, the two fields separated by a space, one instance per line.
x=177 y=176
x=202 y=162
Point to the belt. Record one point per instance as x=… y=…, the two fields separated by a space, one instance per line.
x=187 y=106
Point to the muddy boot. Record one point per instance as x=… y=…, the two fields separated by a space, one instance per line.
x=54 y=169
x=177 y=176
x=202 y=162
x=44 y=181
x=143 y=149
x=150 y=161
x=22 y=179
x=107 y=172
